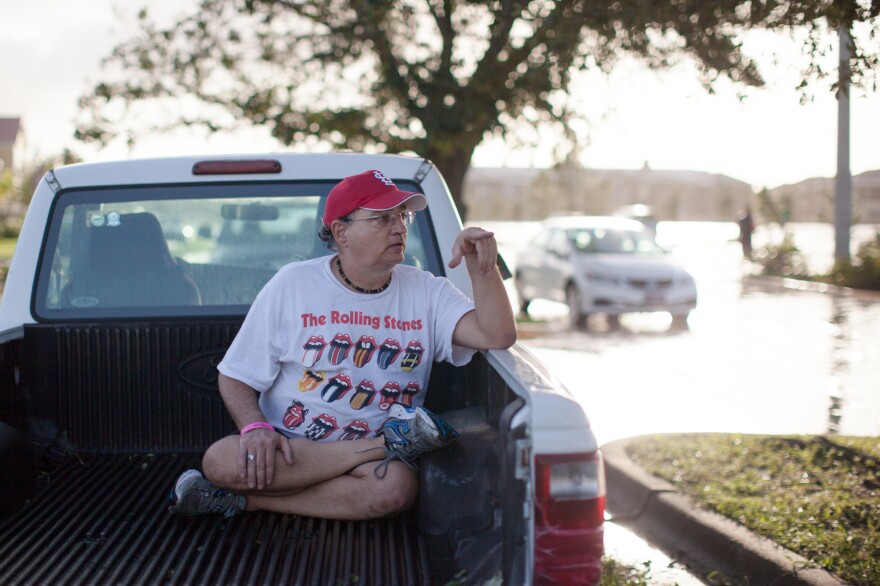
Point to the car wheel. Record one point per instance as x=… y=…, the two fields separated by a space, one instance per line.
x=577 y=317
x=613 y=321
x=680 y=321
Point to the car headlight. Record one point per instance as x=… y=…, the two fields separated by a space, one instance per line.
x=686 y=279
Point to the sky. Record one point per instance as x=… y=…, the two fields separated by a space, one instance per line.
x=52 y=51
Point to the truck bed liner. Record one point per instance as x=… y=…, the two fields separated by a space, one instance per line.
x=61 y=537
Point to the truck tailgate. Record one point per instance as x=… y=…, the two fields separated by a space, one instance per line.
x=104 y=520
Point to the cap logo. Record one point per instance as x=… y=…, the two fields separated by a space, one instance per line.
x=381 y=177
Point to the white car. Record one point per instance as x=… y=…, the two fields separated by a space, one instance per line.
x=606 y=265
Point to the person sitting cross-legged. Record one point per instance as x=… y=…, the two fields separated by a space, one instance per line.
x=330 y=409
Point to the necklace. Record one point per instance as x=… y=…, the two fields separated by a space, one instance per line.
x=355 y=287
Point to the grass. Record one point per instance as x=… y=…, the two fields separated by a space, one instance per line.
x=615 y=573
x=816 y=496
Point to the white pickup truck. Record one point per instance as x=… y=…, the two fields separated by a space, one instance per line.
x=128 y=283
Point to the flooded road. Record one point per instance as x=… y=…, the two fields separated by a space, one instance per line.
x=760 y=362
x=758 y=357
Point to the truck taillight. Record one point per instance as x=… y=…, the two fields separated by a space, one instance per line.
x=569 y=517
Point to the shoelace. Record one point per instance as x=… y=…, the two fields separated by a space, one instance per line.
x=387 y=460
x=223 y=502
x=383 y=464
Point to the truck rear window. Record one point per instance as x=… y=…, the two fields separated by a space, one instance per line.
x=206 y=249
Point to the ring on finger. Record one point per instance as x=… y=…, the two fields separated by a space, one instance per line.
x=251 y=457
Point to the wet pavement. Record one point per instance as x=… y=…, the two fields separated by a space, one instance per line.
x=790 y=362
x=759 y=357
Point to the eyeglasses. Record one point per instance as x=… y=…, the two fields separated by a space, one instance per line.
x=386 y=219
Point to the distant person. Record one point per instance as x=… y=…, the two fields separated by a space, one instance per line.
x=746 y=228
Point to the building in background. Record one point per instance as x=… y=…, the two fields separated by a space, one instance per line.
x=534 y=194
x=510 y=194
x=812 y=200
x=11 y=143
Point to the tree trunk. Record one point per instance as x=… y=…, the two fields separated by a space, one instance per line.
x=453 y=164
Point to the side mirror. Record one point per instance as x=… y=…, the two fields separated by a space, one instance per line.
x=560 y=251
x=503 y=268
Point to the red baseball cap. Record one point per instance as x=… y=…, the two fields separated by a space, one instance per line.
x=370 y=190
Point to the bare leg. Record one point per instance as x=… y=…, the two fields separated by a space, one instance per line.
x=313 y=462
x=327 y=479
x=355 y=496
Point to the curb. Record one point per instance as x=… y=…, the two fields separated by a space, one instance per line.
x=702 y=539
x=788 y=284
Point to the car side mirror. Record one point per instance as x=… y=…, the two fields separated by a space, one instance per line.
x=502 y=268
x=559 y=251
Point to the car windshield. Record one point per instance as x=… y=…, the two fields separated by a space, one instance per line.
x=194 y=249
x=612 y=241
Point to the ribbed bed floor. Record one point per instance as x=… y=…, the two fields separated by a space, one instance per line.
x=104 y=520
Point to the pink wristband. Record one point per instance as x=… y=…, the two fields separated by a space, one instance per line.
x=256 y=425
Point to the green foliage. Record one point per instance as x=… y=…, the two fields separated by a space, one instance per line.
x=862 y=272
x=785 y=260
x=17 y=187
x=419 y=76
x=770 y=210
x=7 y=245
x=816 y=496
x=9 y=226
x=5 y=183
x=782 y=260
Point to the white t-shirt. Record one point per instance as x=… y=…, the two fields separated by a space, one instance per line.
x=329 y=362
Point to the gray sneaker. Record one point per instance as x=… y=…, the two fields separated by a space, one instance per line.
x=193 y=494
x=409 y=433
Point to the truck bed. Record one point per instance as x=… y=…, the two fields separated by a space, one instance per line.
x=116 y=411
x=103 y=520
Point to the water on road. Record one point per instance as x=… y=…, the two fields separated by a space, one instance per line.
x=758 y=357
